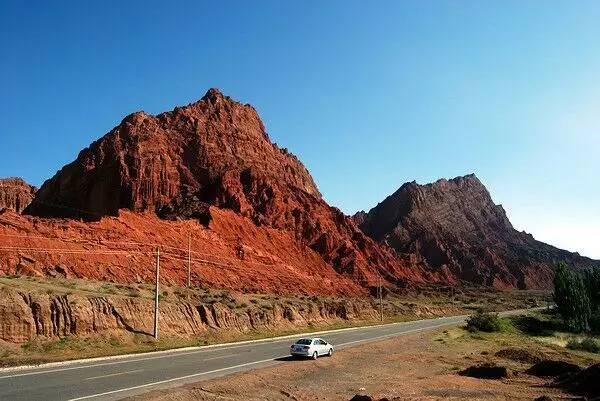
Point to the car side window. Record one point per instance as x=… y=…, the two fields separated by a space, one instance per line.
x=322 y=342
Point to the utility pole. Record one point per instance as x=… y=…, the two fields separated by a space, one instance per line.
x=189 y=266
x=156 y=292
x=380 y=294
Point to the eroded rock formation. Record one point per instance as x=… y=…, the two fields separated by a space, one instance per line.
x=27 y=316
x=216 y=152
x=454 y=227
x=15 y=194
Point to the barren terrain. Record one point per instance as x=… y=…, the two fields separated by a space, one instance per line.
x=420 y=366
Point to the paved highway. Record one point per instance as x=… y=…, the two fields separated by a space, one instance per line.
x=118 y=378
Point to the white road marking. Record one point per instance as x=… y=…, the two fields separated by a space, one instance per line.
x=220 y=357
x=114 y=374
x=131 y=360
x=174 y=379
x=394 y=334
x=176 y=354
x=182 y=351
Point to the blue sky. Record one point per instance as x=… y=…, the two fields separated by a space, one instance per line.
x=368 y=94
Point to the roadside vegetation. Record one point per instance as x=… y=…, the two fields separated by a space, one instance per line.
x=560 y=344
x=577 y=298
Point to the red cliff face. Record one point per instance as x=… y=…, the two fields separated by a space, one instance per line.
x=15 y=194
x=455 y=227
x=214 y=152
x=147 y=161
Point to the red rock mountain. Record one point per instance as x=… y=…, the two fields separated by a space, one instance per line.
x=214 y=152
x=15 y=194
x=455 y=228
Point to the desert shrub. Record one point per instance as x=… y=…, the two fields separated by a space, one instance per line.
x=571 y=298
x=543 y=325
x=114 y=341
x=595 y=321
x=488 y=322
x=107 y=288
x=588 y=345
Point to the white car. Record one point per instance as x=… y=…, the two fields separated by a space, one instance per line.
x=311 y=347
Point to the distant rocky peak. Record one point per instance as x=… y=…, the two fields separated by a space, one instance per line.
x=455 y=227
x=15 y=194
x=213 y=95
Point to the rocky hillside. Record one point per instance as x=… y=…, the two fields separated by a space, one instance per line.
x=214 y=153
x=15 y=194
x=454 y=227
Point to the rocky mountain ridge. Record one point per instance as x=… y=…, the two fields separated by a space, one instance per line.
x=214 y=152
x=454 y=227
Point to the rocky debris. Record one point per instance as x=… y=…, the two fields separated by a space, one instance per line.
x=520 y=355
x=543 y=398
x=215 y=151
x=485 y=371
x=585 y=382
x=15 y=194
x=361 y=397
x=552 y=368
x=186 y=207
x=454 y=227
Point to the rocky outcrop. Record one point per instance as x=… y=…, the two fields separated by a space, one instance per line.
x=214 y=152
x=123 y=249
x=28 y=316
x=15 y=194
x=211 y=148
x=454 y=227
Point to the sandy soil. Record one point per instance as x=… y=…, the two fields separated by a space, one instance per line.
x=422 y=366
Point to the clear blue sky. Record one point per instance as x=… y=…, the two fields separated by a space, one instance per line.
x=368 y=94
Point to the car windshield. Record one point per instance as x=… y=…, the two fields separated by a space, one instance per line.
x=304 y=341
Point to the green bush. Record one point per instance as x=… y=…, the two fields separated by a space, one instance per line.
x=588 y=345
x=571 y=298
x=591 y=277
x=488 y=322
x=595 y=322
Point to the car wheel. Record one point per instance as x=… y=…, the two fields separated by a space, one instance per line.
x=330 y=352
x=315 y=355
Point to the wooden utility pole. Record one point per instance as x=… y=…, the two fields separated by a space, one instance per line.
x=380 y=294
x=156 y=292
x=189 y=266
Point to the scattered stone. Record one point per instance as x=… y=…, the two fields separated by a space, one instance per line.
x=360 y=397
x=485 y=371
x=552 y=368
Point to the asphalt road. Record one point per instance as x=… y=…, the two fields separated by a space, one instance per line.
x=136 y=374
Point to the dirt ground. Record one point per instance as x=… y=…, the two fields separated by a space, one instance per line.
x=421 y=366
